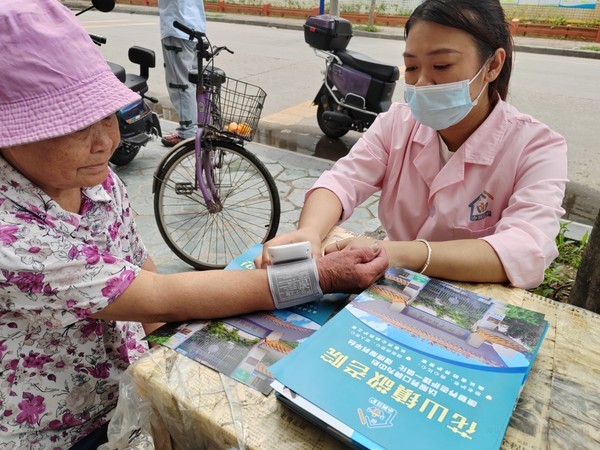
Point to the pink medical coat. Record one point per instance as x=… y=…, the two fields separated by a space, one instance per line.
x=505 y=184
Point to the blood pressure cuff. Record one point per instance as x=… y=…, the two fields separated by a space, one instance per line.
x=294 y=283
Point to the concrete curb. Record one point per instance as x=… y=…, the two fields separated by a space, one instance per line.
x=558 y=51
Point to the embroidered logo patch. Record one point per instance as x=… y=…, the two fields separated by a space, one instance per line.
x=480 y=206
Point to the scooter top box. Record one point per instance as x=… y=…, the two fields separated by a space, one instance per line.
x=326 y=32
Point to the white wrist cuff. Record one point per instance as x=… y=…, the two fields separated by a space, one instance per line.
x=294 y=283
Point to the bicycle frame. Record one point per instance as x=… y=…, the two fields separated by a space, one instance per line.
x=204 y=163
x=208 y=189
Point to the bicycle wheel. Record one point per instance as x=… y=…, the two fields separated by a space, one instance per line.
x=210 y=240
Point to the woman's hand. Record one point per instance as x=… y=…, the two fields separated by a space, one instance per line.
x=261 y=261
x=351 y=243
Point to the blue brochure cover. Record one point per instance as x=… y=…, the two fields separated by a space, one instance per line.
x=246 y=260
x=243 y=347
x=414 y=360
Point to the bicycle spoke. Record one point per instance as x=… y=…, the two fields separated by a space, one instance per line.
x=210 y=239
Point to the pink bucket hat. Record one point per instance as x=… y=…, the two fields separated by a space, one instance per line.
x=53 y=79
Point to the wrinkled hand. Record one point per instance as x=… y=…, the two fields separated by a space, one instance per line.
x=262 y=260
x=352 y=270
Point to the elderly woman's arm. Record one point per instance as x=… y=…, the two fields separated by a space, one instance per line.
x=150 y=267
x=153 y=297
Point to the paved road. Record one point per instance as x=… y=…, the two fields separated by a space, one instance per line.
x=561 y=91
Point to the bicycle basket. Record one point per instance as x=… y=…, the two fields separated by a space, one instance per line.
x=237 y=107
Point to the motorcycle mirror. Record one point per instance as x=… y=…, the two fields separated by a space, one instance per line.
x=104 y=5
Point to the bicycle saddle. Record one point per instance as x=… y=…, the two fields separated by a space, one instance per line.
x=366 y=64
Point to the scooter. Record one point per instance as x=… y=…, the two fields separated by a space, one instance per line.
x=356 y=88
x=137 y=123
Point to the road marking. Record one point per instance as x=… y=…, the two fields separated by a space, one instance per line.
x=86 y=22
x=129 y=24
x=293 y=115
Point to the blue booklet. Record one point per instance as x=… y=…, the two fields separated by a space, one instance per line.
x=244 y=347
x=416 y=361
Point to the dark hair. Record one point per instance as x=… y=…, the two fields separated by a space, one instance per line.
x=484 y=20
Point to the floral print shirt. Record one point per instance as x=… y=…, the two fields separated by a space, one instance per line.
x=59 y=369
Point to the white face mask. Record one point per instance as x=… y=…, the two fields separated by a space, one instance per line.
x=440 y=106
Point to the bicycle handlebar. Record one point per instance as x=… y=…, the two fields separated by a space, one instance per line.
x=218 y=50
x=192 y=33
x=98 y=40
x=204 y=49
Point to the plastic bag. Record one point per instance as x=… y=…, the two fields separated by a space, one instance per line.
x=171 y=401
x=137 y=425
x=134 y=421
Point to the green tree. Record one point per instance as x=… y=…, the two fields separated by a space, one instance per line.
x=372 y=7
x=523 y=324
x=524 y=315
x=219 y=330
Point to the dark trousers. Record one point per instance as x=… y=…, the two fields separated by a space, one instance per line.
x=93 y=440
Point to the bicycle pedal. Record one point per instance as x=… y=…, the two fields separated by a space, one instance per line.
x=184 y=188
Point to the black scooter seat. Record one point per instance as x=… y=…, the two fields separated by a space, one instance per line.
x=366 y=64
x=136 y=83
x=118 y=70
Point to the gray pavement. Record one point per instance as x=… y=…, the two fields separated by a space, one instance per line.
x=294 y=173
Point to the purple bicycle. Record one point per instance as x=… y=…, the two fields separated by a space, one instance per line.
x=213 y=199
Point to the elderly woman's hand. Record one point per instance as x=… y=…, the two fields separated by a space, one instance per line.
x=353 y=270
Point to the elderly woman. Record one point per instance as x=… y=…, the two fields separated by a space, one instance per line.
x=76 y=282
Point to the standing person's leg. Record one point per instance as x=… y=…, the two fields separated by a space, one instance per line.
x=180 y=56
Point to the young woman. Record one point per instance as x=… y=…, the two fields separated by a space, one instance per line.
x=471 y=189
